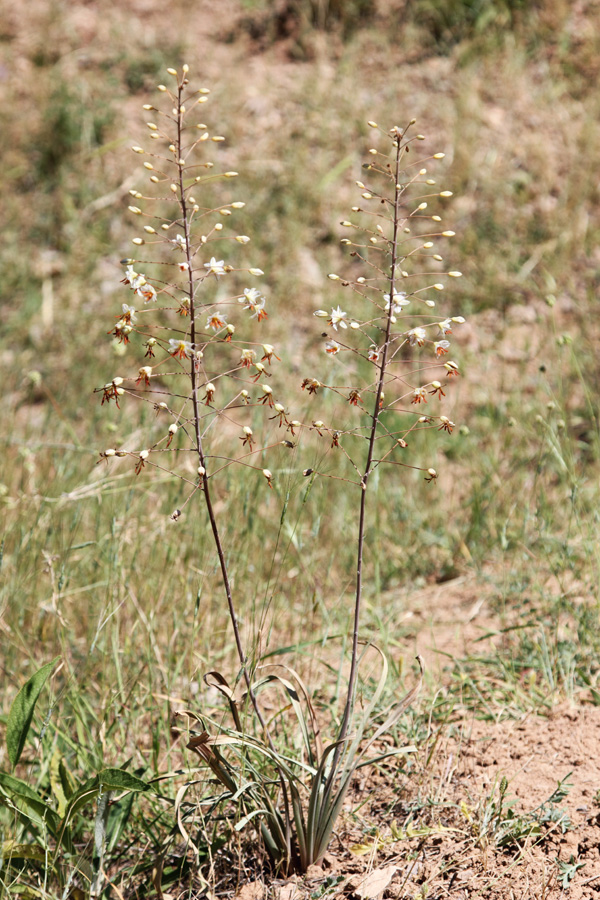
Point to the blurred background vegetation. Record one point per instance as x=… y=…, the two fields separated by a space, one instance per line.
x=92 y=569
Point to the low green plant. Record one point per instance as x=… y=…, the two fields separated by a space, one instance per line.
x=209 y=386
x=56 y=842
x=496 y=822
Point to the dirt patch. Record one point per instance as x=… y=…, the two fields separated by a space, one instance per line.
x=444 y=831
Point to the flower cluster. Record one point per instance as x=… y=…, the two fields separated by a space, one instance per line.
x=396 y=331
x=176 y=322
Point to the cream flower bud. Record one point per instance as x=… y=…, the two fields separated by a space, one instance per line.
x=455 y=274
x=267 y=473
x=448 y=233
x=144 y=454
x=173 y=429
x=201 y=471
x=439 y=155
x=266 y=389
x=334 y=277
x=257 y=272
x=135 y=210
x=248 y=431
x=242 y=239
x=438 y=287
x=109 y=452
x=172 y=71
x=446 y=194
x=230 y=174
x=138 y=149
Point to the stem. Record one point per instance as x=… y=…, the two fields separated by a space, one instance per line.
x=205 y=484
x=369 y=462
x=194 y=381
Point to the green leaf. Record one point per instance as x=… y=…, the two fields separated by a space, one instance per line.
x=21 y=712
x=118 y=780
x=13 y=850
x=29 y=801
x=59 y=782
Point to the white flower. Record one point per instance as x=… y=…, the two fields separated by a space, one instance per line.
x=179 y=241
x=216 y=321
x=134 y=279
x=416 y=336
x=399 y=301
x=255 y=302
x=441 y=347
x=148 y=292
x=215 y=267
x=180 y=348
x=445 y=326
x=337 y=318
x=332 y=347
x=129 y=313
x=251 y=295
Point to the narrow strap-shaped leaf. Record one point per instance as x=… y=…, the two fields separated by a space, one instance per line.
x=222 y=685
x=397 y=711
x=292 y=693
x=314 y=723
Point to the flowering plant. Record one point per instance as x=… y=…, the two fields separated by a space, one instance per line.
x=197 y=373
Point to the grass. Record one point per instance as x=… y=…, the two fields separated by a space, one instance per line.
x=93 y=570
